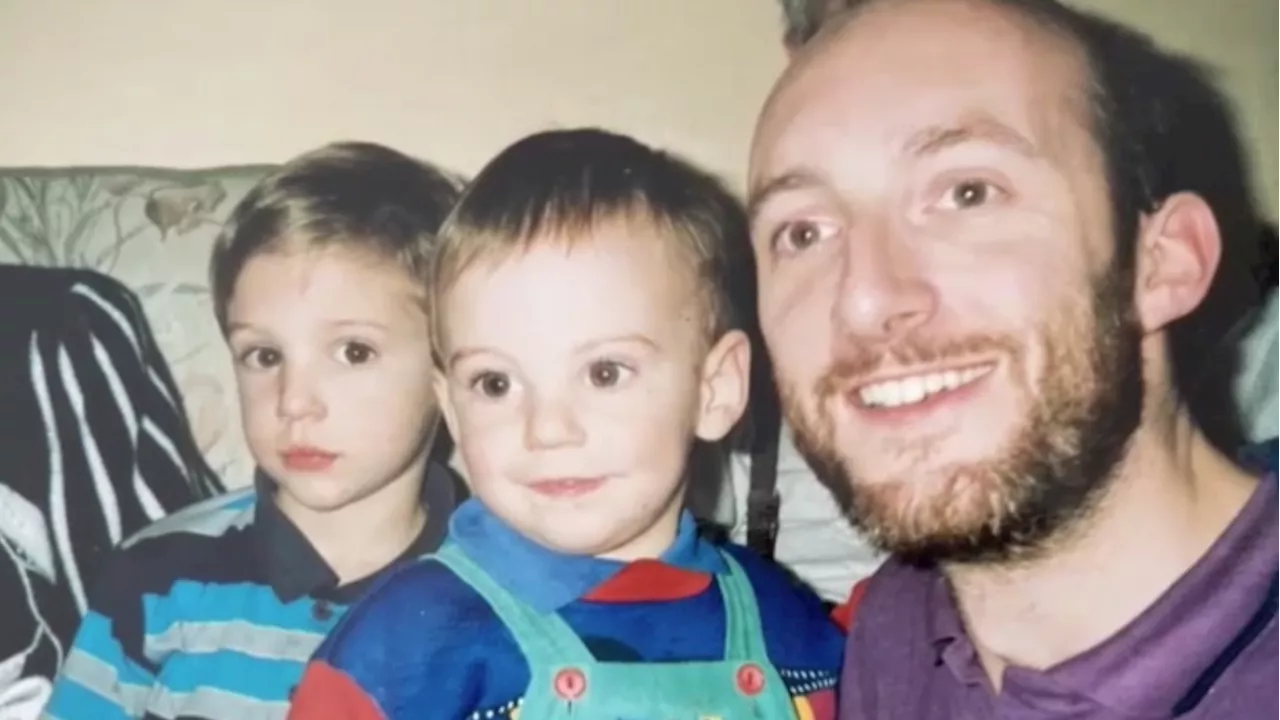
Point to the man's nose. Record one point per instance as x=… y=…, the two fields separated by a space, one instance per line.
x=882 y=294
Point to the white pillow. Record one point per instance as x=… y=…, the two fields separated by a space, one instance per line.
x=814 y=539
x=1256 y=388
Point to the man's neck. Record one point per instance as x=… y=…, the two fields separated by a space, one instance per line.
x=1171 y=499
x=367 y=535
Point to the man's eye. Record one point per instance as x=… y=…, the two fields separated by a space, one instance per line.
x=261 y=358
x=355 y=353
x=607 y=373
x=969 y=194
x=492 y=384
x=798 y=236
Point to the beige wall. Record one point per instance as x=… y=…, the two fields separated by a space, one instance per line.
x=179 y=82
x=185 y=83
x=1237 y=38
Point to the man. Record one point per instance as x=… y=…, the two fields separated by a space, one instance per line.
x=970 y=261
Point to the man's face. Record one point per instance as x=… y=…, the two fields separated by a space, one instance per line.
x=937 y=282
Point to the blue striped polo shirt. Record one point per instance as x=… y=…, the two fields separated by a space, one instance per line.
x=213 y=612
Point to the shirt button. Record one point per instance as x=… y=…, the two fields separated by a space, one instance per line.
x=322 y=611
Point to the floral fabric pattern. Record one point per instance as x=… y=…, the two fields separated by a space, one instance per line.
x=152 y=229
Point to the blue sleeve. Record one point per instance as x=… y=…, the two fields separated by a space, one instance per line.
x=800 y=634
x=105 y=675
x=415 y=647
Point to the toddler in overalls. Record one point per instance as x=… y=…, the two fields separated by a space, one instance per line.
x=584 y=341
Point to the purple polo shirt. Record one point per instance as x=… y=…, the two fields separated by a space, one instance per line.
x=1206 y=649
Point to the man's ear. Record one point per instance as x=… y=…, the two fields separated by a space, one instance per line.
x=791 y=45
x=725 y=386
x=1179 y=247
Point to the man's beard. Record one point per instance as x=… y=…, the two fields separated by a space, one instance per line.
x=1043 y=483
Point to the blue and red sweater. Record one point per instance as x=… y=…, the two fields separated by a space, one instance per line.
x=423 y=644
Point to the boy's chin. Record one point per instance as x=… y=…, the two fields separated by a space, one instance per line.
x=586 y=542
x=572 y=544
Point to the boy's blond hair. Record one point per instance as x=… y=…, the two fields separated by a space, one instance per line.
x=356 y=195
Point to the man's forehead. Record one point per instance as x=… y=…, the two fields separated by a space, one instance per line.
x=808 y=163
x=938 y=73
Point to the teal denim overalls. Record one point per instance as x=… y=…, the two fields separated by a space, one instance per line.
x=567 y=683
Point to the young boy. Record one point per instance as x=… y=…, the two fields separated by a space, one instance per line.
x=317 y=283
x=584 y=340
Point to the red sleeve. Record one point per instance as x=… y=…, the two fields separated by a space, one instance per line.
x=843 y=614
x=328 y=694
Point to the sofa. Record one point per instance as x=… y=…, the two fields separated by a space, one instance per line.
x=151 y=230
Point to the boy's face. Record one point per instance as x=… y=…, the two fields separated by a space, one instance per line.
x=332 y=361
x=576 y=376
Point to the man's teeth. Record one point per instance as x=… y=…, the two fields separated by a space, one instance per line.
x=917 y=388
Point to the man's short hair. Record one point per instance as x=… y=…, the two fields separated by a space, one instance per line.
x=357 y=195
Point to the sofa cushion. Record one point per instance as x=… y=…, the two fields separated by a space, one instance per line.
x=151 y=229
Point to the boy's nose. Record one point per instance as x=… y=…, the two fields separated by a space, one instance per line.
x=298 y=397
x=551 y=424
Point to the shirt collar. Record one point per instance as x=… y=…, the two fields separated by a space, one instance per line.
x=1145 y=669
x=547 y=580
x=293 y=568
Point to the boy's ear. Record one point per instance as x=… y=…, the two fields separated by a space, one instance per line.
x=440 y=386
x=725 y=386
x=449 y=416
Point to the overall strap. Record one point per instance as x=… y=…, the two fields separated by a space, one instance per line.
x=743 y=635
x=545 y=639
x=763 y=501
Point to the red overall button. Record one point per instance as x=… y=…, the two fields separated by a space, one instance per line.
x=569 y=684
x=750 y=679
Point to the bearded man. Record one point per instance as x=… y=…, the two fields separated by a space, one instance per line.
x=969 y=263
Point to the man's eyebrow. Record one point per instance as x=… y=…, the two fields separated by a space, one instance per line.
x=936 y=138
x=763 y=192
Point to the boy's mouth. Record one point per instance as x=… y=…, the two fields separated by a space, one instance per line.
x=567 y=487
x=308 y=459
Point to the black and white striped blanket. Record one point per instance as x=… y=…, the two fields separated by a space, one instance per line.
x=94 y=445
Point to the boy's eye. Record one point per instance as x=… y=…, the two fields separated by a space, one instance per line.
x=261 y=358
x=607 y=373
x=492 y=384
x=355 y=353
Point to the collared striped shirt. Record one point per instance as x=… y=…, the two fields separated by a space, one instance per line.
x=212 y=613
